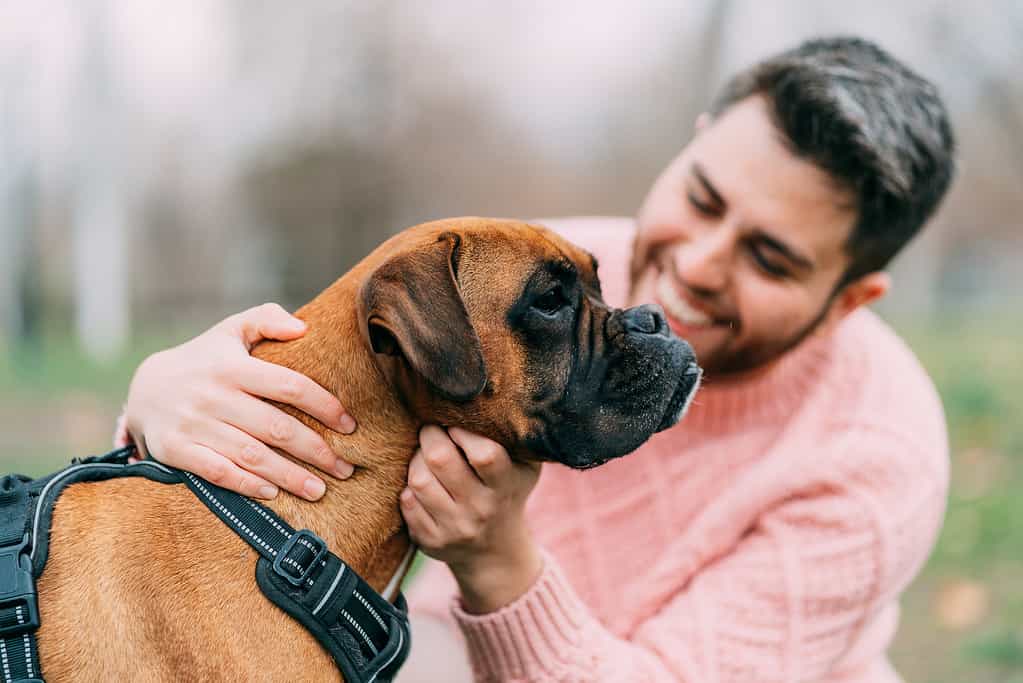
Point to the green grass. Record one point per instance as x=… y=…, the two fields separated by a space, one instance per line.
x=54 y=404
x=979 y=372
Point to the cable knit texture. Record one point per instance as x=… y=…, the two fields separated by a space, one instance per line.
x=765 y=538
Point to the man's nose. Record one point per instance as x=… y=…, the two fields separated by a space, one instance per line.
x=705 y=263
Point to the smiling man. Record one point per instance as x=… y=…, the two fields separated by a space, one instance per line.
x=746 y=241
x=768 y=536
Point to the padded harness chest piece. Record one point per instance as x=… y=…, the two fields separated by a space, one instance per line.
x=367 y=636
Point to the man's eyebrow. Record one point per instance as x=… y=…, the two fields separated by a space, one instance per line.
x=785 y=250
x=701 y=175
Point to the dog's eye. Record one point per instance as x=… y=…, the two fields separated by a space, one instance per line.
x=551 y=301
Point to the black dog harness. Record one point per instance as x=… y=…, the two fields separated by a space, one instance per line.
x=367 y=636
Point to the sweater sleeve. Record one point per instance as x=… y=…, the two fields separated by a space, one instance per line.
x=787 y=603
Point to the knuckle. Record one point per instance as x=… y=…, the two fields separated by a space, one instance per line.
x=494 y=452
x=418 y=481
x=483 y=458
x=485 y=509
x=436 y=457
x=218 y=471
x=290 y=388
x=280 y=429
x=269 y=308
x=251 y=455
x=465 y=530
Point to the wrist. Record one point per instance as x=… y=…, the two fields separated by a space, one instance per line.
x=489 y=581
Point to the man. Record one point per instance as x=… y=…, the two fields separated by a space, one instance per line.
x=768 y=536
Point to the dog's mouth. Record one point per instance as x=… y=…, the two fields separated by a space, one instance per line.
x=680 y=401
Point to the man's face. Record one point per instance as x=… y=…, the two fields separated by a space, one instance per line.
x=742 y=243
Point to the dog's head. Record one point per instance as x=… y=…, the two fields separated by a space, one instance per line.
x=499 y=327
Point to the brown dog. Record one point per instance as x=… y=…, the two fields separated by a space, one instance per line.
x=496 y=326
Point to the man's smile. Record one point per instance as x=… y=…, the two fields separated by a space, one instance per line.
x=682 y=308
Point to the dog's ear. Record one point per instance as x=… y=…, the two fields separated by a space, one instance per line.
x=412 y=307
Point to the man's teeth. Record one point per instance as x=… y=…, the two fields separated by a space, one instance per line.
x=676 y=307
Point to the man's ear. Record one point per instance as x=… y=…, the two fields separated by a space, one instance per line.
x=862 y=292
x=412 y=307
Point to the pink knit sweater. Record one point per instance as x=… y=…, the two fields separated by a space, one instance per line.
x=765 y=538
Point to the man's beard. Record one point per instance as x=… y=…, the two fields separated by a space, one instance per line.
x=746 y=360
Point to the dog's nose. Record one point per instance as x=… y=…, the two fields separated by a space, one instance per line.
x=645 y=319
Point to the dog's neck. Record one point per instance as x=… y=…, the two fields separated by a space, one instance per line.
x=358 y=517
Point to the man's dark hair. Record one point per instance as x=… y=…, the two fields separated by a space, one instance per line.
x=878 y=129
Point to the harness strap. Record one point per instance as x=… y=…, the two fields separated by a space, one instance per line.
x=21 y=501
x=367 y=636
x=19 y=611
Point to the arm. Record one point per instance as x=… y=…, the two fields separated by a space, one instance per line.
x=788 y=603
x=198 y=406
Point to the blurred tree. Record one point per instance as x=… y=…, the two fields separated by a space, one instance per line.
x=100 y=220
x=19 y=281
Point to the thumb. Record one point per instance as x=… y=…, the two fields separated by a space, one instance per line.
x=269 y=321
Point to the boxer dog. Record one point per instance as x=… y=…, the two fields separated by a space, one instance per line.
x=494 y=326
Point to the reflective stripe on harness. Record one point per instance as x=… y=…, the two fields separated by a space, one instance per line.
x=367 y=636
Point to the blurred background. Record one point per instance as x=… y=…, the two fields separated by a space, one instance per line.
x=163 y=165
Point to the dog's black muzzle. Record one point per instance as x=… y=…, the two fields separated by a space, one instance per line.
x=640 y=384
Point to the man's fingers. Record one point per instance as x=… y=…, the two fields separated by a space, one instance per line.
x=218 y=470
x=488 y=458
x=421 y=525
x=282 y=384
x=447 y=463
x=275 y=427
x=256 y=458
x=427 y=488
x=269 y=321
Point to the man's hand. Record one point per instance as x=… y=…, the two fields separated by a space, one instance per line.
x=465 y=505
x=197 y=406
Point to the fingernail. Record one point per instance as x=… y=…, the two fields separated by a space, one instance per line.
x=343 y=469
x=296 y=324
x=347 y=423
x=313 y=488
x=268 y=492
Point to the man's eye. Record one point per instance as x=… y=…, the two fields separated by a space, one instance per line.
x=701 y=206
x=766 y=264
x=551 y=301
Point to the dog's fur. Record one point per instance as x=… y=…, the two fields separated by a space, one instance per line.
x=143 y=583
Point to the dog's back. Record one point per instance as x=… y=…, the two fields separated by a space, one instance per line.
x=142 y=584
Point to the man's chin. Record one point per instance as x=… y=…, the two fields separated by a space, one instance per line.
x=706 y=340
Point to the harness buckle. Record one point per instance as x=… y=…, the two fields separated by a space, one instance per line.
x=19 y=607
x=300 y=556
